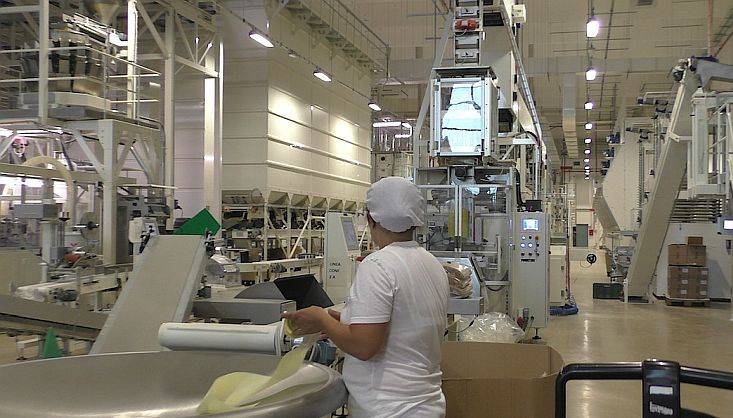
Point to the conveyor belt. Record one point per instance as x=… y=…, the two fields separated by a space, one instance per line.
x=160 y=289
x=22 y=315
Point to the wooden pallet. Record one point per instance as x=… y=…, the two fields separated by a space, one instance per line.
x=687 y=302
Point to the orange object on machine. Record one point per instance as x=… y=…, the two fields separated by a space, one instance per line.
x=466 y=24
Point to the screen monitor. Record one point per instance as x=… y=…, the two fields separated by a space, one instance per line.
x=352 y=243
x=728 y=224
x=530 y=224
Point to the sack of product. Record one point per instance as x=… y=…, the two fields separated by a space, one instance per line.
x=492 y=327
x=459 y=279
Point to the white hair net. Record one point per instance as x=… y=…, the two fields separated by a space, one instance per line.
x=396 y=204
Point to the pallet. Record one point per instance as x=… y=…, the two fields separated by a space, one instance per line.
x=687 y=302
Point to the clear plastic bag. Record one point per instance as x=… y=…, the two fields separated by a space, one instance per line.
x=459 y=280
x=492 y=327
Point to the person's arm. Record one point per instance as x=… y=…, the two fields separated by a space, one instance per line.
x=362 y=341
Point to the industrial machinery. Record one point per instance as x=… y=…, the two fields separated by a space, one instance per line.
x=530 y=270
x=174 y=384
x=482 y=163
x=342 y=250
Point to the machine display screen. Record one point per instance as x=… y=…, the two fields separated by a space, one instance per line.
x=728 y=224
x=352 y=243
x=530 y=224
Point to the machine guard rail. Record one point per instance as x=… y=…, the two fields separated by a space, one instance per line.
x=660 y=382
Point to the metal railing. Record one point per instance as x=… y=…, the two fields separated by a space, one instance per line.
x=346 y=23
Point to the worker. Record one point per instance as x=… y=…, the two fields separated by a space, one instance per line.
x=393 y=322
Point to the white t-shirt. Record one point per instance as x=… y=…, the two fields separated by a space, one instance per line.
x=406 y=286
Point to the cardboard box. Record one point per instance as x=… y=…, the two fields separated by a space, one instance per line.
x=694 y=241
x=499 y=380
x=687 y=282
x=686 y=255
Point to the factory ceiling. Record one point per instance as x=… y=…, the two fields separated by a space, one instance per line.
x=638 y=43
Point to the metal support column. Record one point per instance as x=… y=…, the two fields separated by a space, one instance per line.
x=212 y=137
x=43 y=45
x=106 y=134
x=169 y=114
x=132 y=81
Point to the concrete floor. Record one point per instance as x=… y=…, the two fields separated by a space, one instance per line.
x=606 y=331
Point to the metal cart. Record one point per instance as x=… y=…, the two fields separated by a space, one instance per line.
x=661 y=381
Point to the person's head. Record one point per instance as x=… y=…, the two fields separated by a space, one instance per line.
x=395 y=208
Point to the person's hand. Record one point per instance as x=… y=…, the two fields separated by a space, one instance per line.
x=307 y=321
x=335 y=314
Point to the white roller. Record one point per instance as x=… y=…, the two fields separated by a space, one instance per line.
x=266 y=339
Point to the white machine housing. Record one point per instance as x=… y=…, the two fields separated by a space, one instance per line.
x=342 y=250
x=530 y=267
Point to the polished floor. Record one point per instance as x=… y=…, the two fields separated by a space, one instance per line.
x=607 y=331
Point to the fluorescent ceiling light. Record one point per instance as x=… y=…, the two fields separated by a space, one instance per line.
x=261 y=39
x=588 y=105
x=587 y=168
x=5 y=132
x=587 y=152
x=592 y=27
x=387 y=124
x=590 y=74
x=402 y=136
x=374 y=106
x=406 y=125
x=587 y=160
x=588 y=126
x=588 y=140
x=322 y=75
x=587 y=177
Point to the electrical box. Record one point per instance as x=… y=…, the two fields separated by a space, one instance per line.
x=519 y=13
x=530 y=268
x=558 y=275
x=384 y=165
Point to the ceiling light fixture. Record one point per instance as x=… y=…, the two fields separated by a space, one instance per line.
x=387 y=124
x=403 y=136
x=590 y=74
x=587 y=152
x=587 y=168
x=588 y=105
x=374 y=106
x=586 y=160
x=322 y=75
x=261 y=39
x=515 y=106
x=592 y=27
x=587 y=140
x=588 y=126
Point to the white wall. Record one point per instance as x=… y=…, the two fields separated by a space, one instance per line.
x=285 y=130
x=720 y=262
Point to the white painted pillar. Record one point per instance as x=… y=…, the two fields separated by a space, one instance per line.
x=132 y=81
x=109 y=195
x=43 y=45
x=169 y=114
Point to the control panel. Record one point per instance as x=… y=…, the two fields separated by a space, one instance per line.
x=530 y=267
x=342 y=250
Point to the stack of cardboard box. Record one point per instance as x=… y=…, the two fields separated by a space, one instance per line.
x=687 y=276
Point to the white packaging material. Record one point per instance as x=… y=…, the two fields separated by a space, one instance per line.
x=492 y=327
